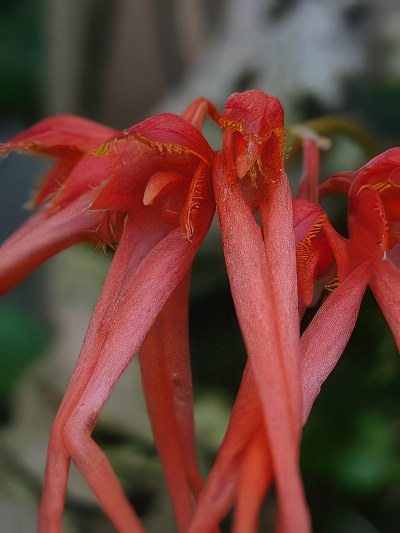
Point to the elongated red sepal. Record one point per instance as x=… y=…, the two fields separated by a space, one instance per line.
x=326 y=337
x=63 y=138
x=309 y=181
x=385 y=284
x=254 y=480
x=268 y=349
x=44 y=236
x=167 y=384
x=147 y=268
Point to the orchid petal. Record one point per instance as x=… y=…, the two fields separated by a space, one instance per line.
x=388 y=159
x=89 y=173
x=62 y=132
x=340 y=183
x=170 y=134
x=127 y=174
x=319 y=248
x=280 y=252
x=368 y=225
x=304 y=215
x=254 y=481
x=64 y=138
x=167 y=384
x=44 y=236
x=196 y=112
x=376 y=170
x=267 y=345
x=276 y=213
x=326 y=337
x=254 y=113
x=131 y=251
x=385 y=284
x=158 y=182
x=340 y=248
x=137 y=287
x=54 y=179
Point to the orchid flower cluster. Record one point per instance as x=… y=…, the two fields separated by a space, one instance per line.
x=150 y=192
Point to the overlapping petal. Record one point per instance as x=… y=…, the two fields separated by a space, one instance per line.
x=63 y=138
x=249 y=275
x=220 y=489
x=167 y=385
x=144 y=274
x=248 y=174
x=385 y=284
x=153 y=256
x=43 y=237
x=322 y=344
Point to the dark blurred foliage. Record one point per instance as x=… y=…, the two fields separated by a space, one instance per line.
x=378 y=104
x=21 y=59
x=217 y=350
x=18 y=350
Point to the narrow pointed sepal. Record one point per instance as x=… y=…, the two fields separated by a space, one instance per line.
x=42 y=237
x=385 y=284
x=167 y=384
x=327 y=335
x=250 y=273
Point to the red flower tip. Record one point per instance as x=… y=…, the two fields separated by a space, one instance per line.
x=381 y=172
x=374 y=205
x=253 y=113
x=253 y=142
x=387 y=160
x=339 y=183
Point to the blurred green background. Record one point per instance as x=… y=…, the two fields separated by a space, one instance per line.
x=118 y=62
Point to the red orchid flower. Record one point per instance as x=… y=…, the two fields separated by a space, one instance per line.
x=67 y=140
x=374 y=227
x=369 y=256
x=244 y=459
x=147 y=188
x=249 y=176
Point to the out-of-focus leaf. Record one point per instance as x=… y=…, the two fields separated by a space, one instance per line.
x=22 y=341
